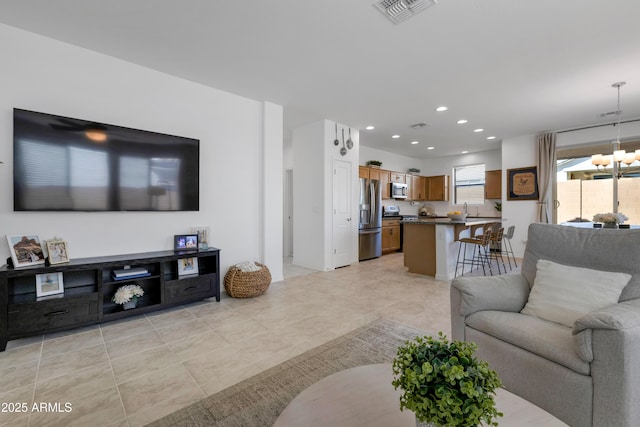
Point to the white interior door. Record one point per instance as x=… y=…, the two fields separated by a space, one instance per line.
x=343 y=246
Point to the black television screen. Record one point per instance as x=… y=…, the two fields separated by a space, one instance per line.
x=65 y=164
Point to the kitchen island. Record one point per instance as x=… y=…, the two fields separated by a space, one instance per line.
x=431 y=244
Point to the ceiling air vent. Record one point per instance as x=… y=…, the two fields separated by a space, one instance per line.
x=419 y=125
x=400 y=10
x=610 y=113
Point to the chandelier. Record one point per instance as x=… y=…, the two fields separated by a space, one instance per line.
x=619 y=157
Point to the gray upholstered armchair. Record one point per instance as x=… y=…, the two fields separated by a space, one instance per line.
x=585 y=369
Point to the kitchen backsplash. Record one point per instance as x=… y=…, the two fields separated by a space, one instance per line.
x=441 y=208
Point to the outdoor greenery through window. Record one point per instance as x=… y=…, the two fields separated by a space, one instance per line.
x=469 y=184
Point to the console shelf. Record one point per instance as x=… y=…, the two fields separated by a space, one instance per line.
x=89 y=287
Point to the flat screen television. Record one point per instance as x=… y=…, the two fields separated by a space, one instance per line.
x=66 y=164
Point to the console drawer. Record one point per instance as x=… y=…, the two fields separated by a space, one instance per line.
x=42 y=316
x=189 y=287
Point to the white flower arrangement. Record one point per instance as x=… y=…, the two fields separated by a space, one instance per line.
x=610 y=218
x=127 y=293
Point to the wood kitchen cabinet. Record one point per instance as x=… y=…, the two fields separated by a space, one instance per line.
x=374 y=174
x=398 y=177
x=369 y=173
x=385 y=179
x=493 y=184
x=438 y=188
x=379 y=174
x=390 y=235
x=417 y=187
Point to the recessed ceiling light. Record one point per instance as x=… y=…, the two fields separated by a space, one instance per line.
x=441 y=108
x=464 y=152
x=462 y=121
x=414 y=142
x=491 y=137
x=431 y=148
x=370 y=127
x=478 y=130
x=395 y=136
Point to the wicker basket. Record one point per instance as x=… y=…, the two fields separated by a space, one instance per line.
x=247 y=284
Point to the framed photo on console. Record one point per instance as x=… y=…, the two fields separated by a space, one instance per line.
x=185 y=242
x=203 y=236
x=49 y=284
x=58 y=252
x=25 y=249
x=187 y=266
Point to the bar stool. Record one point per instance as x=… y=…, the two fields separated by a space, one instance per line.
x=480 y=256
x=507 y=249
x=495 y=251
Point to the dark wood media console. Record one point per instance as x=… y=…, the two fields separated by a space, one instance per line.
x=89 y=287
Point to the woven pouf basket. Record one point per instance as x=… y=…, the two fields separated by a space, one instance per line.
x=247 y=284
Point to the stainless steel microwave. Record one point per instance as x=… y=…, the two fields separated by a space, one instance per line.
x=398 y=190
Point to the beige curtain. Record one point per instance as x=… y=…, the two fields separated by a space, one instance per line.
x=546 y=168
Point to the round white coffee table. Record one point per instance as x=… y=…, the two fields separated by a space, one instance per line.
x=364 y=396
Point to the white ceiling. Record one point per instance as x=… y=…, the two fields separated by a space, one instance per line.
x=512 y=67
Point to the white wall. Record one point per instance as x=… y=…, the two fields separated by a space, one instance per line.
x=390 y=161
x=313 y=154
x=308 y=197
x=393 y=162
x=521 y=152
x=430 y=167
x=518 y=153
x=54 y=77
x=444 y=166
x=272 y=199
x=598 y=134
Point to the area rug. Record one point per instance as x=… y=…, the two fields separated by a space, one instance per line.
x=259 y=400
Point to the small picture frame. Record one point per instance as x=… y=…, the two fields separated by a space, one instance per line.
x=203 y=236
x=25 y=250
x=49 y=284
x=522 y=183
x=187 y=266
x=58 y=252
x=185 y=242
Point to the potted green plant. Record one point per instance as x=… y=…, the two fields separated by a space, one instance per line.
x=444 y=384
x=498 y=206
x=374 y=163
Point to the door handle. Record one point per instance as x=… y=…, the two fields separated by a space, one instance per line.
x=348 y=219
x=370 y=232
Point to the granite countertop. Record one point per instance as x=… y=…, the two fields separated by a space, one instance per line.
x=447 y=221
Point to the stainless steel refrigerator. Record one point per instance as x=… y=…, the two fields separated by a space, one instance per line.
x=370 y=225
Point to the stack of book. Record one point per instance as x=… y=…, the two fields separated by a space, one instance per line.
x=130 y=273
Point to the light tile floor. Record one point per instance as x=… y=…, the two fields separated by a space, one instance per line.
x=131 y=372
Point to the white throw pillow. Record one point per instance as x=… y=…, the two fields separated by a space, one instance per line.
x=562 y=294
